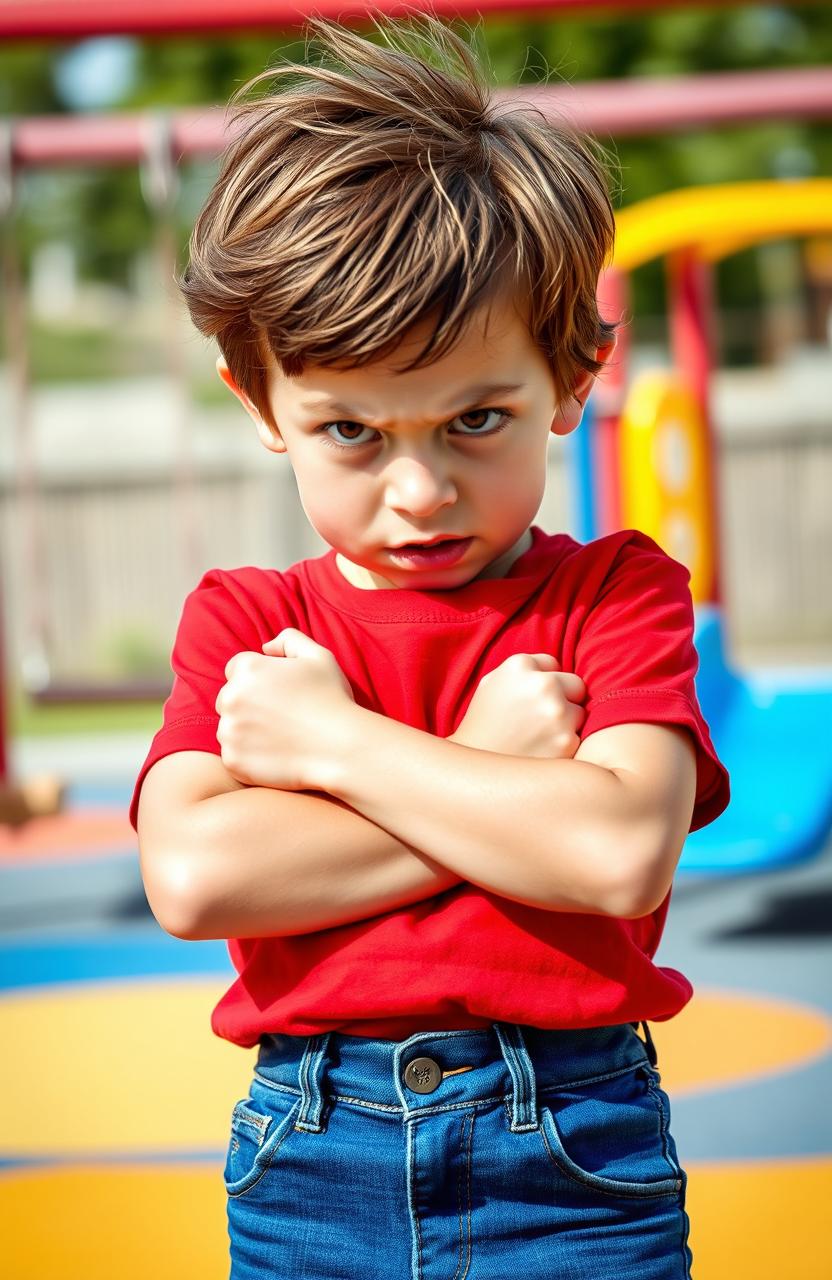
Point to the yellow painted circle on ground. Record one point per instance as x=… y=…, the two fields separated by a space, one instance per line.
x=122 y=1067
x=760 y=1220
x=749 y=1221
x=132 y=1222
x=134 y=1067
x=726 y=1038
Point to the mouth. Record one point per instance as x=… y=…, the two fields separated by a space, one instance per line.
x=440 y=551
x=428 y=542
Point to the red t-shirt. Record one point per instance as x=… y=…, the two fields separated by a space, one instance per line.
x=617 y=611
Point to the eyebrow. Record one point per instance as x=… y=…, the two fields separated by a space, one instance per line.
x=471 y=396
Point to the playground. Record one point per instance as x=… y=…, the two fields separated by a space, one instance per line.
x=103 y=1010
x=100 y=1009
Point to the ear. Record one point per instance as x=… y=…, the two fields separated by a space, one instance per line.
x=568 y=415
x=269 y=437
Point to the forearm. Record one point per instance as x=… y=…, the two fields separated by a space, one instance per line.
x=263 y=862
x=552 y=833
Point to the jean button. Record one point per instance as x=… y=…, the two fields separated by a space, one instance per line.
x=422 y=1075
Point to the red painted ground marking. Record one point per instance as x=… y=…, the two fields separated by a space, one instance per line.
x=83 y=833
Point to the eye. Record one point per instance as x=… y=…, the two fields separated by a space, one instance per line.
x=504 y=417
x=351 y=440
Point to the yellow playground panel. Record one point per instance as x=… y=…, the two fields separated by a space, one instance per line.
x=665 y=446
x=721 y=219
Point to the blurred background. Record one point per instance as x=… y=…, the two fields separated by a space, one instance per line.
x=113 y=377
x=127 y=470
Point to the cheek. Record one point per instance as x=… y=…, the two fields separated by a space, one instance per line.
x=521 y=476
x=522 y=463
x=334 y=499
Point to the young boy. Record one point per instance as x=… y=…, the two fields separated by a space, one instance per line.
x=432 y=785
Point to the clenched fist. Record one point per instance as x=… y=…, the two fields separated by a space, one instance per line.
x=525 y=707
x=277 y=709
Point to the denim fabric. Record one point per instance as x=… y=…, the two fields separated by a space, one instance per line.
x=537 y=1154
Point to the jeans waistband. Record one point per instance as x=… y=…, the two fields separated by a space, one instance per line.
x=437 y=1070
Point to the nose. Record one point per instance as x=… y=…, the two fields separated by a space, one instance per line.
x=418 y=487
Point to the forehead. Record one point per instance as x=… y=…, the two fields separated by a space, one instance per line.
x=493 y=348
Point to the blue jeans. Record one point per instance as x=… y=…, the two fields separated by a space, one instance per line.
x=487 y=1154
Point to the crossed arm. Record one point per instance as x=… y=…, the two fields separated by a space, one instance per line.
x=407 y=815
x=538 y=831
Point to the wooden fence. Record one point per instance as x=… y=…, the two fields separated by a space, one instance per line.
x=118 y=556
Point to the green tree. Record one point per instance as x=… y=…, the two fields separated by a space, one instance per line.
x=109 y=220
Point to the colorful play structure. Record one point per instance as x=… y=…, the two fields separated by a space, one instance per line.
x=646 y=458
x=646 y=455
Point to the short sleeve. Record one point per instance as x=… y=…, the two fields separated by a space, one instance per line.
x=214 y=625
x=637 y=658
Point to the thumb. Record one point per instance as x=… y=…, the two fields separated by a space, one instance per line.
x=291 y=643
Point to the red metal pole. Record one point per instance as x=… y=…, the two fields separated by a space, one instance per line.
x=50 y=19
x=641 y=105
x=613 y=297
x=690 y=318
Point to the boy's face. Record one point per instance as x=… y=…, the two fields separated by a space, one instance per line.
x=383 y=458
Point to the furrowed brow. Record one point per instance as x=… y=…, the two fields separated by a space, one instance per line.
x=473 y=395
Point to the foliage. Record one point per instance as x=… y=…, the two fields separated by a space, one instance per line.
x=104 y=215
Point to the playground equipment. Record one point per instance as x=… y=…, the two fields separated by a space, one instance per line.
x=644 y=106
x=22 y=19
x=44 y=795
x=648 y=461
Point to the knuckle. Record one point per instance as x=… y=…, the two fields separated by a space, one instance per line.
x=553 y=701
x=231 y=699
x=237 y=664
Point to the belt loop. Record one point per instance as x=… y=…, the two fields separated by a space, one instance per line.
x=310 y=1072
x=521 y=1069
x=649 y=1045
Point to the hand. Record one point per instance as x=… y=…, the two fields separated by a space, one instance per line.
x=278 y=709
x=525 y=707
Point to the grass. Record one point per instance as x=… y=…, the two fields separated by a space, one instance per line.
x=96 y=352
x=82 y=354
x=24 y=718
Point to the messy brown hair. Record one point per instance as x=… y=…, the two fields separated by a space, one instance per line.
x=383 y=186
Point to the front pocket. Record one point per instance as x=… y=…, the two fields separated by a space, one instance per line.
x=612 y=1136
x=259 y=1125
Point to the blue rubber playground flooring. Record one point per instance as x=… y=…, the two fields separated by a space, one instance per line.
x=112 y=1146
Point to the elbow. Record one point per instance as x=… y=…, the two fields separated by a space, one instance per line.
x=180 y=925
x=639 y=890
x=632 y=901
x=171 y=896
